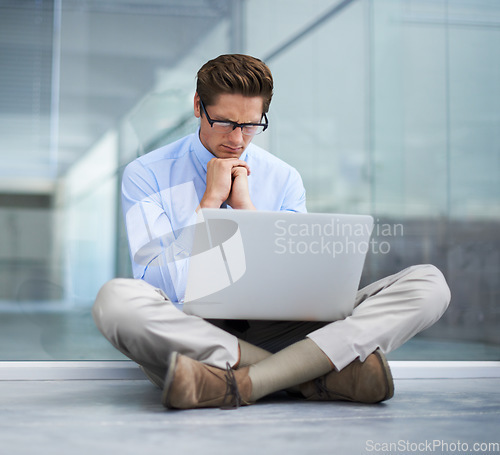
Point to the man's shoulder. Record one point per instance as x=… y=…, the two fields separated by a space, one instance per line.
x=266 y=159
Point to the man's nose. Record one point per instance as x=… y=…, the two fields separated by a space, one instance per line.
x=236 y=135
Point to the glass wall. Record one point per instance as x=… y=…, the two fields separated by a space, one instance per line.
x=387 y=107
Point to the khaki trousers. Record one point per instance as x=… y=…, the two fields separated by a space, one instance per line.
x=143 y=324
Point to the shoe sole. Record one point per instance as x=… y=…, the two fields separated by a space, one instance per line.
x=169 y=378
x=387 y=374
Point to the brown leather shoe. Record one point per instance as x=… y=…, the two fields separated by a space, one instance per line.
x=365 y=382
x=192 y=384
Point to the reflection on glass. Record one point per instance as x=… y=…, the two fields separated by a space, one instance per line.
x=397 y=104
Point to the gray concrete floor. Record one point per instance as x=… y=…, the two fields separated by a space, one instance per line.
x=126 y=417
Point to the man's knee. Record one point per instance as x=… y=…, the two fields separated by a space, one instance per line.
x=436 y=294
x=108 y=302
x=117 y=303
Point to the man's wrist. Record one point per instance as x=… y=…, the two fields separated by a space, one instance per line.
x=244 y=206
x=210 y=203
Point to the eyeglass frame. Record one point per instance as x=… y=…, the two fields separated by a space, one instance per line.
x=235 y=124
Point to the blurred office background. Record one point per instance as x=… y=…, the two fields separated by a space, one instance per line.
x=387 y=107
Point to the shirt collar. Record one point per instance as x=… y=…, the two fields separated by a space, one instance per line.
x=204 y=156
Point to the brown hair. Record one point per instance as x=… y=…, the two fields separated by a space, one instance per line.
x=235 y=74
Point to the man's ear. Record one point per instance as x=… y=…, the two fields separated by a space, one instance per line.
x=196 y=105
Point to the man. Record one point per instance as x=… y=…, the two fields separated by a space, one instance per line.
x=201 y=363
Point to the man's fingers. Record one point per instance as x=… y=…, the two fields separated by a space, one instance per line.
x=228 y=164
x=240 y=170
x=244 y=164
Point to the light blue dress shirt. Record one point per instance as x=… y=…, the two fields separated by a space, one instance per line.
x=161 y=191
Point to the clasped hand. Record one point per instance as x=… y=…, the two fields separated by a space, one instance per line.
x=227 y=181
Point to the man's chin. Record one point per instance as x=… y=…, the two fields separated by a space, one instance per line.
x=225 y=153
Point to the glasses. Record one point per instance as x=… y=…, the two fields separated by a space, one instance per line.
x=226 y=126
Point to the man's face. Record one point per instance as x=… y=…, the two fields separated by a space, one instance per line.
x=232 y=107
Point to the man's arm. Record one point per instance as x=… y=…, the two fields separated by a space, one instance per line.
x=159 y=240
x=295 y=196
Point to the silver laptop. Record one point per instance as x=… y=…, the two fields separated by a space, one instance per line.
x=276 y=265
